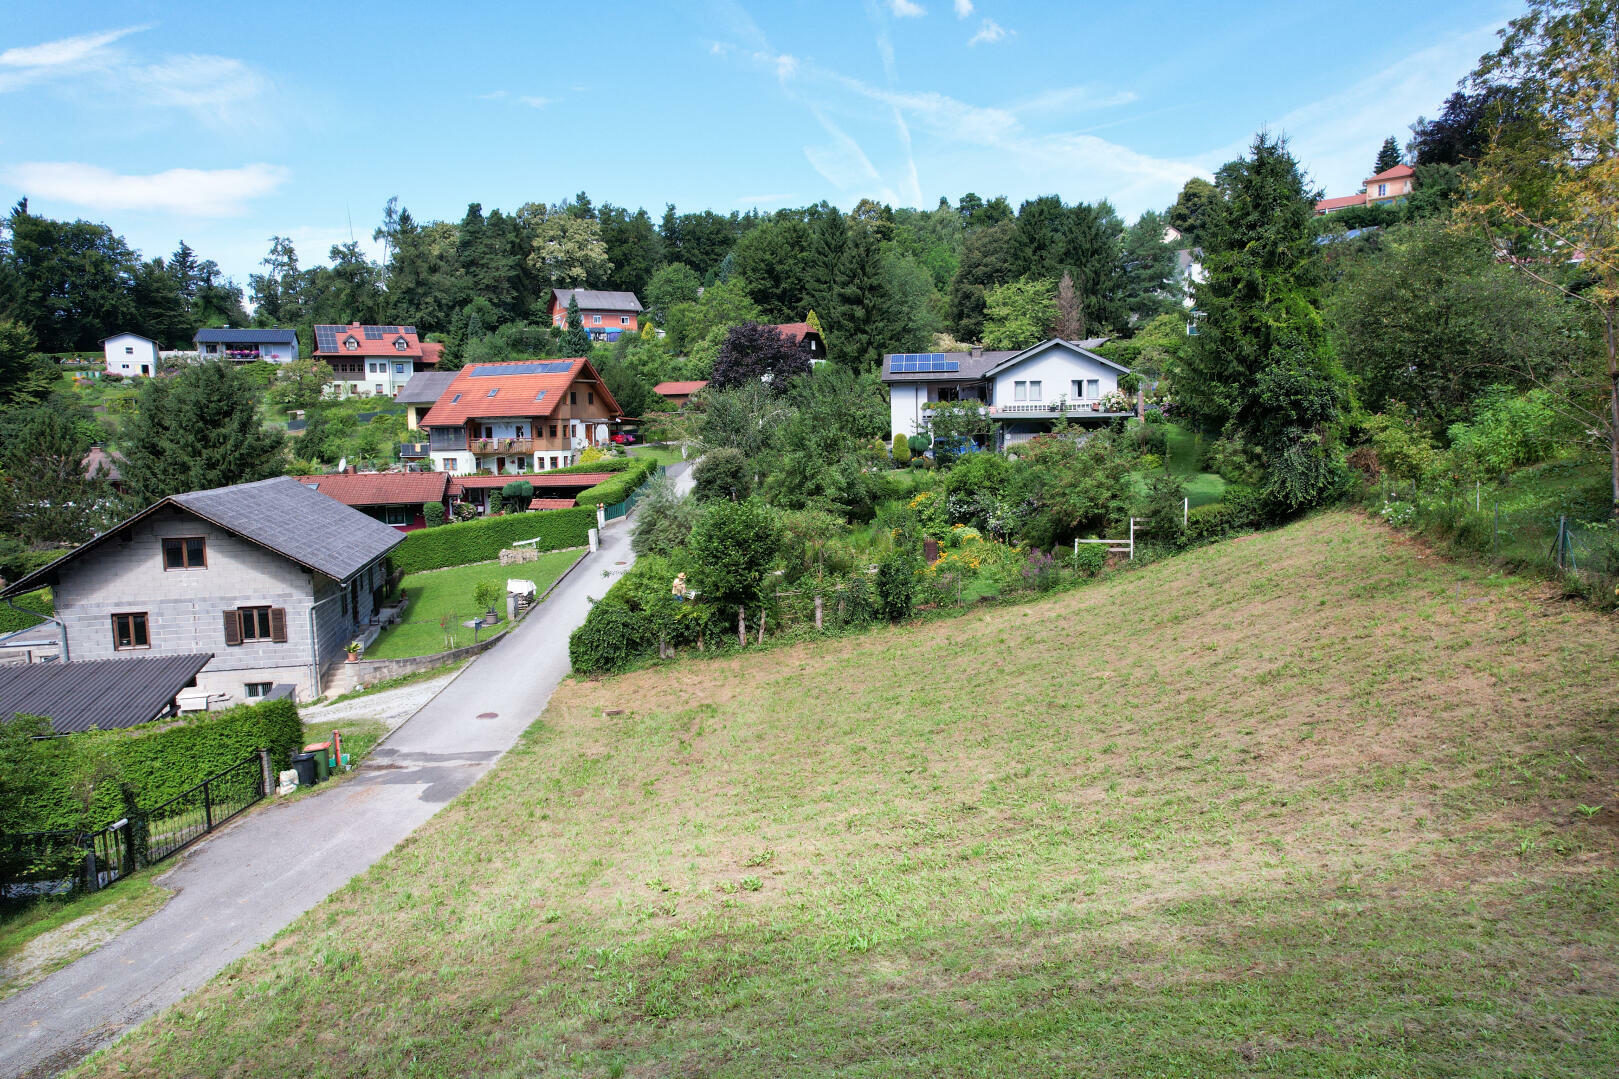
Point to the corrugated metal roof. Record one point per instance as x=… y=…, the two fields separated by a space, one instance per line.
x=102 y=694
x=245 y=337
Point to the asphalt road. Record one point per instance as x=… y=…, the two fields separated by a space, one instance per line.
x=239 y=887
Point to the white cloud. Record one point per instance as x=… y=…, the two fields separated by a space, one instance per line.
x=536 y=102
x=185 y=192
x=218 y=89
x=989 y=32
x=67 y=50
x=906 y=9
x=964 y=8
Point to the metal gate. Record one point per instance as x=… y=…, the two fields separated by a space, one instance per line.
x=186 y=818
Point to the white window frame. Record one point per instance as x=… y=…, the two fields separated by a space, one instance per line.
x=623 y=320
x=1020 y=391
x=1034 y=390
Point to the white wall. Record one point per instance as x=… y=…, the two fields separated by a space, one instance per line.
x=125 y=353
x=1055 y=369
x=905 y=408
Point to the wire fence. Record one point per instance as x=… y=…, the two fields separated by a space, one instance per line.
x=1572 y=541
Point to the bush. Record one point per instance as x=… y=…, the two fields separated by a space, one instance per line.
x=722 y=473
x=734 y=545
x=1090 y=559
x=1508 y=431
x=433 y=514
x=610 y=492
x=611 y=637
x=156 y=764
x=919 y=444
x=482 y=540
x=497 y=502
x=606 y=464
x=518 y=492
x=40 y=601
x=1210 y=522
x=487 y=595
x=895 y=586
x=902 y=450
x=663 y=518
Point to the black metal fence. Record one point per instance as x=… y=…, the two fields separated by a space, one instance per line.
x=56 y=863
x=184 y=819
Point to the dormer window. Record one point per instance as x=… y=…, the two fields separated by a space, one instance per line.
x=350 y=343
x=399 y=344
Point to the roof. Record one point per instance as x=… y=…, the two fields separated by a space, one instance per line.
x=667 y=389
x=281 y=515
x=969 y=366
x=538 y=480
x=1073 y=346
x=552 y=504
x=98 y=462
x=1398 y=172
x=794 y=330
x=425 y=387
x=432 y=351
x=519 y=388
x=215 y=336
x=591 y=299
x=102 y=694
x=1339 y=203
x=125 y=333
x=380 y=488
x=331 y=340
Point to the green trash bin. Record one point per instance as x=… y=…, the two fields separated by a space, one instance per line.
x=323 y=759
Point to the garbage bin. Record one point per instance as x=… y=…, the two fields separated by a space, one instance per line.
x=323 y=759
x=304 y=765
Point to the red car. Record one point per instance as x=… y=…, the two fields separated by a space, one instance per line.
x=623 y=438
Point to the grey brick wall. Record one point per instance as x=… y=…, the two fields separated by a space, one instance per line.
x=185 y=607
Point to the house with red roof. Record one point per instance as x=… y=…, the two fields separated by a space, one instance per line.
x=394 y=498
x=678 y=393
x=373 y=361
x=606 y=314
x=516 y=418
x=807 y=337
x=1388 y=188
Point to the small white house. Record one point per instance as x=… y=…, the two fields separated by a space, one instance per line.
x=130 y=354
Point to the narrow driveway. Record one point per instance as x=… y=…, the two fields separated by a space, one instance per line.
x=237 y=888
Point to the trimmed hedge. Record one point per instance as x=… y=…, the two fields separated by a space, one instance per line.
x=606 y=464
x=482 y=539
x=40 y=601
x=157 y=761
x=621 y=486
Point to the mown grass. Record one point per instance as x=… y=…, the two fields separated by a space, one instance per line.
x=663 y=454
x=1305 y=803
x=52 y=933
x=446 y=594
x=1201 y=488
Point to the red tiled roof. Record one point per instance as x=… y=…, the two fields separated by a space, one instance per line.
x=1339 y=203
x=552 y=504
x=666 y=389
x=380 y=488
x=366 y=346
x=432 y=352
x=98 y=462
x=468 y=396
x=795 y=330
x=1398 y=172
x=539 y=480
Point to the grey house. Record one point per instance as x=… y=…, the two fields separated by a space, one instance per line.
x=272 y=577
x=243 y=346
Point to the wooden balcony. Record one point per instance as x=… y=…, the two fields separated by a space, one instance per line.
x=484 y=447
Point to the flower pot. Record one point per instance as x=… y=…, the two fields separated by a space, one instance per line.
x=354 y=657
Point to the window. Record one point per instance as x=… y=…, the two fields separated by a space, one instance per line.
x=245 y=624
x=553 y=430
x=396 y=515
x=573 y=397
x=129 y=631
x=451 y=464
x=378 y=389
x=1087 y=389
x=1034 y=390
x=257 y=689
x=399 y=368
x=1382 y=189
x=185 y=552
x=400 y=344
x=350 y=343
x=590 y=397
x=492 y=392
x=595 y=320
x=624 y=320
x=454 y=399
x=129 y=350
x=1020 y=391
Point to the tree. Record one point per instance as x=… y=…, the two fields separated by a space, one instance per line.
x=47 y=498
x=25 y=374
x=755 y=352
x=1069 y=320
x=633 y=248
x=663 y=518
x=722 y=473
x=861 y=321
x=1189 y=213
x=71 y=280
x=825 y=261
x=1388 y=156
x=1147 y=270
x=672 y=284
x=277 y=293
x=575 y=341
x=734 y=545
x=301 y=383
x=986 y=261
x=198 y=430
x=566 y=249
x=1019 y=314
x=1461 y=133
x=1553 y=177
x=1262 y=367
x=773 y=260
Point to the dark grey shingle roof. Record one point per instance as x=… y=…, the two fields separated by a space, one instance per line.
x=213 y=336
x=102 y=694
x=425 y=387
x=599 y=300
x=298 y=522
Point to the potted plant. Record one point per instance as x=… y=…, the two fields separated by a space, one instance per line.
x=353 y=649
x=487 y=594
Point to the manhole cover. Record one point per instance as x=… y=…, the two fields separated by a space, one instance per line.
x=488 y=715
x=620 y=563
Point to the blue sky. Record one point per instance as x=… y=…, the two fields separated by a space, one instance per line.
x=227 y=123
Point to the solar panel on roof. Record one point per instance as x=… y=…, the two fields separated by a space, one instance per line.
x=547 y=367
x=373 y=333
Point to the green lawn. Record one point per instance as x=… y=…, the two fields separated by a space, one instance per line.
x=445 y=595
x=664 y=455
x=1332 y=806
x=1202 y=488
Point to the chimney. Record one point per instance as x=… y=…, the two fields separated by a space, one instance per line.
x=977 y=350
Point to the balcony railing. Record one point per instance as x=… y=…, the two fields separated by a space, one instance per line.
x=1057 y=408
x=501 y=445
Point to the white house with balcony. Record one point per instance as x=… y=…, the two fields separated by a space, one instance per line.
x=1024 y=392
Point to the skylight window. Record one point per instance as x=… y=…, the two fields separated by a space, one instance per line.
x=540 y=396
x=454 y=399
x=494 y=391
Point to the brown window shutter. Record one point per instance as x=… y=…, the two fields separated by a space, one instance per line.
x=233 y=627
x=278 y=623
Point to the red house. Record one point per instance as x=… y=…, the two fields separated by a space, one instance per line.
x=603 y=312
x=805 y=336
x=394 y=498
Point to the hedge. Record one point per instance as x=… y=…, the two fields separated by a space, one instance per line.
x=482 y=539
x=623 y=484
x=158 y=761
x=606 y=464
x=11 y=620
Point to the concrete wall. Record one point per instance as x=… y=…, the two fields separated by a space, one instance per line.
x=1055 y=369
x=185 y=607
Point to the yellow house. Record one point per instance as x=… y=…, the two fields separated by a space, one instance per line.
x=1385 y=189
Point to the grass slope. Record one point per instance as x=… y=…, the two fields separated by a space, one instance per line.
x=1306 y=803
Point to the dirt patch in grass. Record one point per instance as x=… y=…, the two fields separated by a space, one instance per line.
x=55 y=934
x=1291 y=806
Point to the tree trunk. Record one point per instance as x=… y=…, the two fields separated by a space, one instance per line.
x=742 y=626
x=1608 y=315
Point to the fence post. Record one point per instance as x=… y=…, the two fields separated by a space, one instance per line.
x=595 y=540
x=601 y=515
x=91 y=881
x=761 y=623
x=207 y=807
x=818 y=609
x=741 y=625
x=266 y=776
x=1132 y=539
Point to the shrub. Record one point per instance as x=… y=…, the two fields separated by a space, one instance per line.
x=895 y=586
x=611 y=637
x=497 y=502
x=722 y=473
x=591 y=455
x=610 y=492
x=1090 y=559
x=1129 y=382
x=1210 y=522
x=1508 y=431
x=518 y=492
x=487 y=595
x=734 y=545
x=482 y=540
x=902 y=450
x=433 y=514
x=919 y=444
x=1040 y=571
x=663 y=518
x=1164 y=508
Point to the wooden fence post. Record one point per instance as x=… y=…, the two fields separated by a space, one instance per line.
x=761 y=624
x=818 y=608
x=741 y=625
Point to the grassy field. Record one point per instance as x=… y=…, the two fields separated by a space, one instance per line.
x=664 y=455
x=1314 y=802
x=440 y=593
x=1201 y=487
